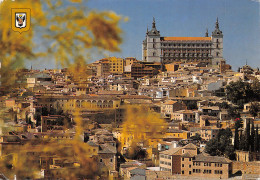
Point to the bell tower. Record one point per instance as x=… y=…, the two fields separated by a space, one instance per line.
x=217 y=45
x=152 y=45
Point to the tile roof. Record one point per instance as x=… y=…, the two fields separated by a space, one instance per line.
x=173 y=151
x=190 y=146
x=203 y=157
x=107 y=149
x=187 y=38
x=187 y=154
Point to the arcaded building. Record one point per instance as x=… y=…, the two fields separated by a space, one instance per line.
x=183 y=49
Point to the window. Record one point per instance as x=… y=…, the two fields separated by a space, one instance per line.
x=189 y=172
x=218 y=172
x=182 y=172
x=100 y=160
x=182 y=165
x=111 y=160
x=182 y=159
x=189 y=166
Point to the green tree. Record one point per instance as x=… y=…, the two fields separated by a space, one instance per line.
x=236 y=138
x=136 y=152
x=68 y=32
x=221 y=144
x=247 y=137
x=256 y=141
x=197 y=137
x=192 y=105
x=242 y=142
x=254 y=109
x=256 y=89
x=233 y=112
x=239 y=93
x=15 y=118
x=252 y=137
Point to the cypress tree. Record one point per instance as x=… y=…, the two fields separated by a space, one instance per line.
x=256 y=142
x=236 y=139
x=242 y=141
x=15 y=119
x=247 y=138
x=252 y=137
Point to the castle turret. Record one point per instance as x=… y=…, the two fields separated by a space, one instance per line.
x=152 y=45
x=217 y=45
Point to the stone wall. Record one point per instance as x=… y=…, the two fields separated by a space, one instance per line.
x=246 y=167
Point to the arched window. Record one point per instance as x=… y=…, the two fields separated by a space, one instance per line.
x=154 y=54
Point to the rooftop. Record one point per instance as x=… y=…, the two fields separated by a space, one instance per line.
x=187 y=38
x=203 y=157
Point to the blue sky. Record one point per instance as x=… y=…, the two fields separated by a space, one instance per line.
x=239 y=20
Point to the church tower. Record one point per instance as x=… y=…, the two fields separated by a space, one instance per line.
x=217 y=45
x=152 y=45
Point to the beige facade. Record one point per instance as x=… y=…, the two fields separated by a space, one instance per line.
x=172 y=159
x=185 y=161
x=211 y=166
x=170 y=106
x=116 y=65
x=208 y=50
x=207 y=133
x=184 y=115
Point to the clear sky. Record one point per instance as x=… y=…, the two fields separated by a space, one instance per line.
x=239 y=20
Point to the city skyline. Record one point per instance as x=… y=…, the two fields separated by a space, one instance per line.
x=239 y=21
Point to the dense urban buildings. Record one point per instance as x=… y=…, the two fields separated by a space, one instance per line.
x=181 y=113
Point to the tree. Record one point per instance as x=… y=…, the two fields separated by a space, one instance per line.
x=256 y=141
x=254 y=109
x=221 y=144
x=247 y=137
x=233 y=112
x=141 y=126
x=197 y=137
x=15 y=118
x=192 y=105
x=236 y=138
x=256 y=89
x=136 y=152
x=252 y=137
x=242 y=142
x=65 y=30
x=239 y=93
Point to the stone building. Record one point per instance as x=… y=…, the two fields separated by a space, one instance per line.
x=205 y=165
x=186 y=161
x=209 y=50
